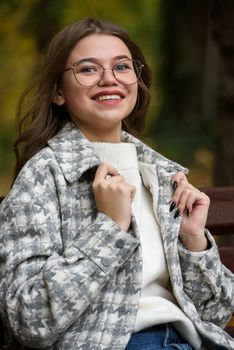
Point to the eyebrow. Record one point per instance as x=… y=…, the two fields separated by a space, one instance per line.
x=93 y=59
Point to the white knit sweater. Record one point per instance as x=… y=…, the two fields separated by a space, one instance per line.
x=157 y=303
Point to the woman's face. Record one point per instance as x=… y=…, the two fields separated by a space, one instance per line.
x=98 y=110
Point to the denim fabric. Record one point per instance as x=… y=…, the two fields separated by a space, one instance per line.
x=163 y=337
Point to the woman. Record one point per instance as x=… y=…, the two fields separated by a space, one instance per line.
x=103 y=240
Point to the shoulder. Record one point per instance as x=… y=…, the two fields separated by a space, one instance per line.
x=40 y=165
x=35 y=181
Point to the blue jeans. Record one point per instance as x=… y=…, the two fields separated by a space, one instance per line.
x=163 y=337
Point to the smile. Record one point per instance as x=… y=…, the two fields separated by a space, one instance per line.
x=108 y=97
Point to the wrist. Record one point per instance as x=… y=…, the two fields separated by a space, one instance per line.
x=196 y=243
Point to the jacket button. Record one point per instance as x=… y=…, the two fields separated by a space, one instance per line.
x=106 y=261
x=120 y=243
x=209 y=265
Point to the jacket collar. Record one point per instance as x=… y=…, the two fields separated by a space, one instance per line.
x=76 y=155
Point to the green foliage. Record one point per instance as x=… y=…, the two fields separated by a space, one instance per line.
x=181 y=127
x=28 y=25
x=161 y=28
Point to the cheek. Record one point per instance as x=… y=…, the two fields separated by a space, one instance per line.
x=71 y=90
x=74 y=98
x=134 y=94
x=76 y=107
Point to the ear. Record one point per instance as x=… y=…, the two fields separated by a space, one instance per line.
x=59 y=98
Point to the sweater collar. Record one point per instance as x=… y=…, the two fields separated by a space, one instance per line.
x=76 y=155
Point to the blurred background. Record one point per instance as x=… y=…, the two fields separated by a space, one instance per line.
x=189 y=45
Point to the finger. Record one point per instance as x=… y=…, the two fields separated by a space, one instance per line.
x=192 y=199
x=127 y=189
x=180 y=176
x=124 y=187
x=114 y=178
x=181 y=186
x=103 y=170
x=187 y=201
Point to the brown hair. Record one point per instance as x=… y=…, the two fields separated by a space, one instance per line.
x=43 y=119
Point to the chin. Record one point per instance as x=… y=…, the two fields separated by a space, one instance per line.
x=116 y=116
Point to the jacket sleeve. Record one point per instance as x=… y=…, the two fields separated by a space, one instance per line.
x=46 y=284
x=208 y=283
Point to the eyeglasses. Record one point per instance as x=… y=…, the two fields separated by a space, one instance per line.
x=89 y=73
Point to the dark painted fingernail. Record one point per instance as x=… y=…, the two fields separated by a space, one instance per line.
x=187 y=211
x=172 y=206
x=177 y=213
x=174 y=185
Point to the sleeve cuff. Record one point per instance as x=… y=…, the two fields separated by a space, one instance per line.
x=203 y=267
x=106 y=244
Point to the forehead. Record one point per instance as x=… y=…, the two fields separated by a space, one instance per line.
x=100 y=46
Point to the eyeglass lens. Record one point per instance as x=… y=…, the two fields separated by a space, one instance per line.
x=90 y=73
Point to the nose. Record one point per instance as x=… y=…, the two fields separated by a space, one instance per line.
x=108 y=78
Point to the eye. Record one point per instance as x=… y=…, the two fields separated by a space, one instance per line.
x=123 y=66
x=86 y=69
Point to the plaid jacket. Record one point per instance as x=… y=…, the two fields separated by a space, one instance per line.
x=71 y=279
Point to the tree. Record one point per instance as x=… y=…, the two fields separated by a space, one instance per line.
x=222 y=14
x=184 y=129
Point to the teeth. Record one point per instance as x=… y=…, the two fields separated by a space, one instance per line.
x=108 y=97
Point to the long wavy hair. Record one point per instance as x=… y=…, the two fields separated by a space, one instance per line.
x=42 y=118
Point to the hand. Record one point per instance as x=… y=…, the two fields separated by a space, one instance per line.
x=113 y=195
x=193 y=205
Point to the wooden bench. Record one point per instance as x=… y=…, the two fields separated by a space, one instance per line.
x=221 y=225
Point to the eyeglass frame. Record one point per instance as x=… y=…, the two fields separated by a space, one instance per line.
x=104 y=69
